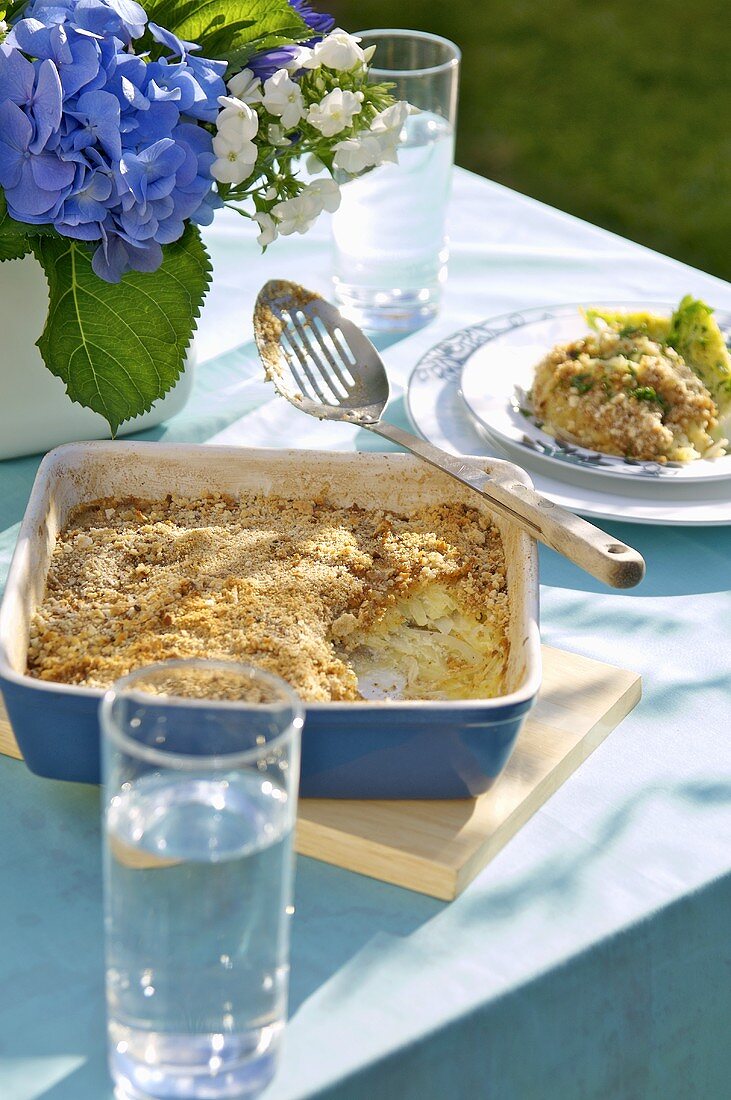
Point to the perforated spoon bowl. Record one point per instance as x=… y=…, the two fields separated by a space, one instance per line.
x=324 y=365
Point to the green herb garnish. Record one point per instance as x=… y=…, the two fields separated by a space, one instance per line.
x=582 y=383
x=649 y=393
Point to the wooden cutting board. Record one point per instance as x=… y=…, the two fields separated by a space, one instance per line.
x=437 y=848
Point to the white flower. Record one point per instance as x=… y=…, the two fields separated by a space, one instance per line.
x=223 y=144
x=229 y=141
x=393 y=118
x=296 y=215
x=237 y=119
x=268 y=228
x=283 y=97
x=245 y=86
x=234 y=164
x=375 y=146
x=339 y=50
x=388 y=125
x=236 y=153
x=325 y=193
x=276 y=135
x=356 y=154
x=335 y=111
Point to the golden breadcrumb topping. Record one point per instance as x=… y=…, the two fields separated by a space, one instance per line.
x=290 y=585
x=625 y=395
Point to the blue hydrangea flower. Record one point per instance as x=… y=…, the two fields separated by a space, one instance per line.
x=209 y=75
x=123 y=19
x=196 y=199
x=17 y=78
x=37 y=89
x=75 y=55
x=175 y=82
x=115 y=256
x=99 y=143
x=35 y=183
x=98 y=116
x=177 y=46
x=150 y=174
x=87 y=204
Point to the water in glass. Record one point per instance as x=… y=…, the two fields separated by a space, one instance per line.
x=388 y=235
x=197 y=967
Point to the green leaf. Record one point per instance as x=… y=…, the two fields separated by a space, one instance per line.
x=13 y=10
x=13 y=248
x=230 y=28
x=8 y=226
x=14 y=242
x=120 y=347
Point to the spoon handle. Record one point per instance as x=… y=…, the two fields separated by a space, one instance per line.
x=581 y=542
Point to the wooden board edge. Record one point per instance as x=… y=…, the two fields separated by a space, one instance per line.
x=555 y=779
x=377 y=861
x=554 y=652
x=8 y=744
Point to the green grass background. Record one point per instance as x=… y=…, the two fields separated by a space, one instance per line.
x=618 y=111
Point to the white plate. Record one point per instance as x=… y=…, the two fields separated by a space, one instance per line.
x=498 y=375
x=438 y=413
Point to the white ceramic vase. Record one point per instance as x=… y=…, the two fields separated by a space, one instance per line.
x=35 y=412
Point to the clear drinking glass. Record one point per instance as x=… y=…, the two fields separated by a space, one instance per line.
x=201 y=768
x=390 y=250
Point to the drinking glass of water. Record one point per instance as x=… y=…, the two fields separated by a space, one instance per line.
x=390 y=250
x=201 y=768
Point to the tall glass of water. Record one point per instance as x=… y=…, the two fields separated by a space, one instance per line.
x=390 y=249
x=201 y=769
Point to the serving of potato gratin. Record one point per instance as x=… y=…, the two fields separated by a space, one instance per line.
x=639 y=385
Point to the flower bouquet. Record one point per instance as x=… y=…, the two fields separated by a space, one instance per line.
x=122 y=130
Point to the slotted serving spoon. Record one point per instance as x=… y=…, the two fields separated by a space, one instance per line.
x=324 y=365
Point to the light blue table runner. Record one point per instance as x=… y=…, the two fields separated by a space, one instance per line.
x=587 y=960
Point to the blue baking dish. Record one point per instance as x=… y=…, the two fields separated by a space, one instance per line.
x=385 y=749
